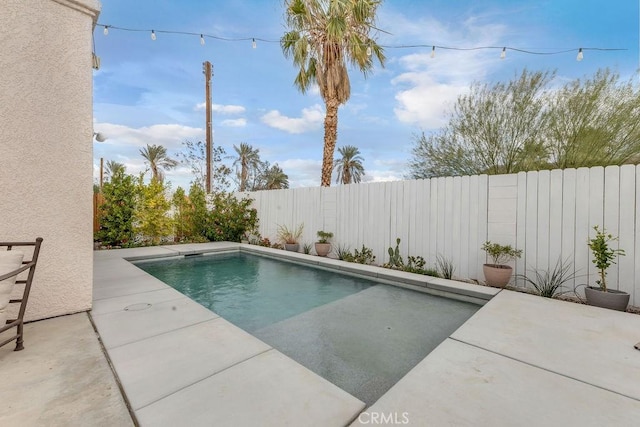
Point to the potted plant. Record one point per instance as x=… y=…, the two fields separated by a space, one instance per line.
x=290 y=237
x=603 y=257
x=498 y=273
x=323 y=247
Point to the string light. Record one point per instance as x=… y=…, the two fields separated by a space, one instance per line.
x=368 y=50
x=538 y=51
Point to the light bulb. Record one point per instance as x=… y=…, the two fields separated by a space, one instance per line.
x=503 y=54
x=580 y=56
x=153 y=35
x=106 y=30
x=368 y=50
x=253 y=43
x=433 y=52
x=201 y=40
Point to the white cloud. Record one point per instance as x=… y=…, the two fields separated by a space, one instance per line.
x=222 y=109
x=428 y=87
x=170 y=136
x=234 y=122
x=302 y=172
x=426 y=102
x=381 y=176
x=311 y=119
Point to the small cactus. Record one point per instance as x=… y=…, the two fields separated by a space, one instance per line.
x=395 y=259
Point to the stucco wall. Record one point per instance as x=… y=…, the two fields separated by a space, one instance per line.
x=46 y=117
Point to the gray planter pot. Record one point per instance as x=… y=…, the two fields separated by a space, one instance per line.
x=612 y=299
x=293 y=247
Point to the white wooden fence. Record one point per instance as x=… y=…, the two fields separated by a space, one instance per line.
x=548 y=214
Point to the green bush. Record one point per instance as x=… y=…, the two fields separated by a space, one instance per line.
x=230 y=218
x=117 y=212
x=152 y=222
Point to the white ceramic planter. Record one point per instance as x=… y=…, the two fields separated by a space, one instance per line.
x=9 y=261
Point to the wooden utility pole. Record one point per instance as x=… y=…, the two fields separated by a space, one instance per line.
x=101 y=172
x=207 y=69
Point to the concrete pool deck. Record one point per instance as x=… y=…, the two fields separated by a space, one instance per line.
x=520 y=360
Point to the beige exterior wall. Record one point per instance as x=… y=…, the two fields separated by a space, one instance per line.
x=46 y=128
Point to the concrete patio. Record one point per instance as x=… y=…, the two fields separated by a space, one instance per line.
x=520 y=360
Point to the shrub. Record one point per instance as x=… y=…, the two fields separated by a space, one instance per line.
x=549 y=284
x=117 y=211
x=343 y=252
x=363 y=256
x=324 y=236
x=603 y=255
x=501 y=254
x=152 y=221
x=444 y=267
x=230 y=218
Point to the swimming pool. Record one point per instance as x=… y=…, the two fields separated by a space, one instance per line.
x=360 y=335
x=253 y=292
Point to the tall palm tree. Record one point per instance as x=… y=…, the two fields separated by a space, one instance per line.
x=275 y=179
x=247 y=162
x=156 y=156
x=349 y=168
x=322 y=37
x=112 y=167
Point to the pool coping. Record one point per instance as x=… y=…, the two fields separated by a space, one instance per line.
x=495 y=322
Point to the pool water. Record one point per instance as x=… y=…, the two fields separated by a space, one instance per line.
x=360 y=335
x=253 y=292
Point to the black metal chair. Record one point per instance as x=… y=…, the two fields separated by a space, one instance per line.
x=26 y=265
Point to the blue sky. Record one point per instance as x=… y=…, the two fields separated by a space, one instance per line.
x=153 y=91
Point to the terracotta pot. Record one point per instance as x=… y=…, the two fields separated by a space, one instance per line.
x=497 y=275
x=293 y=247
x=612 y=299
x=323 y=249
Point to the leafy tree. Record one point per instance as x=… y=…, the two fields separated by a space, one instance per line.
x=117 y=211
x=182 y=215
x=230 y=218
x=493 y=129
x=349 y=167
x=594 y=122
x=158 y=159
x=247 y=163
x=322 y=38
x=199 y=212
x=194 y=156
x=151 y=216
x=274 y=178
x=524 y=125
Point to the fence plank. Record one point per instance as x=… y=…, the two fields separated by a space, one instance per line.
x=611 y=208
x=542 y=256
x=531 y=222
x=569 y=223
x=462 y=266
x=582 y=228
x=627 y=231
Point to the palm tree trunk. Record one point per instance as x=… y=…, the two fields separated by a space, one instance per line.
x=330 y=137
